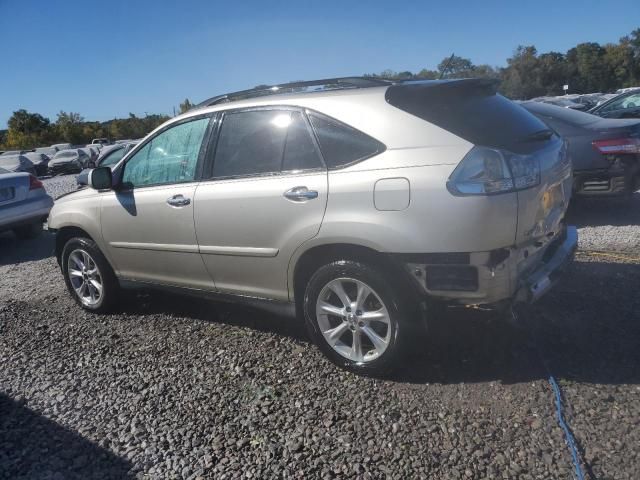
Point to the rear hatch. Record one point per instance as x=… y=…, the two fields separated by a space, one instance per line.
x=472 y=109
x=14 y=187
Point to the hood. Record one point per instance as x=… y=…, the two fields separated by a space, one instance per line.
x=62 y=160
x=81 y=193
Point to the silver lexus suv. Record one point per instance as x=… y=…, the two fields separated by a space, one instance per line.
x=352 y=203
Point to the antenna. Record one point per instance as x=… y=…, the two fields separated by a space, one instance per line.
x=446 y=67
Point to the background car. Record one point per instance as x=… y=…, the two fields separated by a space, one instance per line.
x=61 y=146
x=68 y=161
x=605 y=152
x=100 y=141
x=40 y=162
x=24 y=203
x=625 y=105
x=92 y=153
x=8 y=153
x=17 y=163
x=49 y=151
x=109 y=156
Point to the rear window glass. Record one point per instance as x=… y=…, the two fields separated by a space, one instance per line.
x=469 y=109
x=341 y=144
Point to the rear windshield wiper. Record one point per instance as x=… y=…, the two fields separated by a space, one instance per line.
x=540 y=135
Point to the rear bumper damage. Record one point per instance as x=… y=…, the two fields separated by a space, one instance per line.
x=495 y=278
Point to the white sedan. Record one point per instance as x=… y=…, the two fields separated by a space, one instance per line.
x=24 y=204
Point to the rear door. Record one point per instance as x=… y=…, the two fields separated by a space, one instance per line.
x=265 y=195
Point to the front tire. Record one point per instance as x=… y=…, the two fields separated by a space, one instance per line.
x=88 y=275
x=354 y=315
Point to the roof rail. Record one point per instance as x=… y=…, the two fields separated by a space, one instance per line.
x=327 y=84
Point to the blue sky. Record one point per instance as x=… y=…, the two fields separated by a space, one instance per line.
x=106 y=59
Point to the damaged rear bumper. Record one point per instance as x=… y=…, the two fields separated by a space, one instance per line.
x=498 y=277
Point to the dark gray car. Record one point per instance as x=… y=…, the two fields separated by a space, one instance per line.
x=625 y=105
x=109 y=156
x=605 y=152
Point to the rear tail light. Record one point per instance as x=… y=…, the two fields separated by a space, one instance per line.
x=489 y=171
x=618 y=145
x=34 y=183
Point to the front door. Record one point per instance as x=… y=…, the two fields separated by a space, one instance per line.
x=147 y=223
x=266 y=195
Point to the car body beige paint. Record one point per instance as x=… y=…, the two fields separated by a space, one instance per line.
x=152 y=241
x=248 y=230
x=244 y=237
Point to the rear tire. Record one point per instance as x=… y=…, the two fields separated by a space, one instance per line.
x=32 y=230
x=365 y=331
x=88 y=275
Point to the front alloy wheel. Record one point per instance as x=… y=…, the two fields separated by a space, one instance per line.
x=85 y=278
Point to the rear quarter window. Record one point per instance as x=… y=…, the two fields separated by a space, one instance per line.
x=342 y=145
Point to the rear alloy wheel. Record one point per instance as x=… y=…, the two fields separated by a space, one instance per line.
x=88 y=275
x=355 y=324
x=353 y=314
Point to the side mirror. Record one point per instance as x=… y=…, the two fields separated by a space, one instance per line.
x=100 y=178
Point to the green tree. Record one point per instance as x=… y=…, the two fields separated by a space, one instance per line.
x=70 y=127
x=186 y=106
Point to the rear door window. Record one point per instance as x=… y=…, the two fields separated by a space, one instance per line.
x=341 y=144
x=262 y=142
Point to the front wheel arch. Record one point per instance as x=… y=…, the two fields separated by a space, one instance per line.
x=64 y=234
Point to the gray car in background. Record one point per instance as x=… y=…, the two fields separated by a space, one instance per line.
x=24 y=204
x=40 y=162
x=605 y=152
x=17 y=163
x=68 y=161
x=625 y=105
x=109 y=156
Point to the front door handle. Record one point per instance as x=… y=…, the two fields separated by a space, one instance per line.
x=300 y=194
x=178 y=201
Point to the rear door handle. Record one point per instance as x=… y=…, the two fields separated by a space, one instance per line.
x=178 y=201
x=300 y=194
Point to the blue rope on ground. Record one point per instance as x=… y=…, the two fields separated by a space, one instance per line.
x=567 y=432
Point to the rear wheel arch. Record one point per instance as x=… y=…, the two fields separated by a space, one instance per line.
x=314 y=258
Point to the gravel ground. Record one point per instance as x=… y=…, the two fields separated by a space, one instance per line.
x=176 y=388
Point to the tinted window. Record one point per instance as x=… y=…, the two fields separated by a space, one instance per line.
x=263 y=141
x=340 y=144
x=470 y=109
x=169 y=157
x=300 y=152
x=112 y=158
